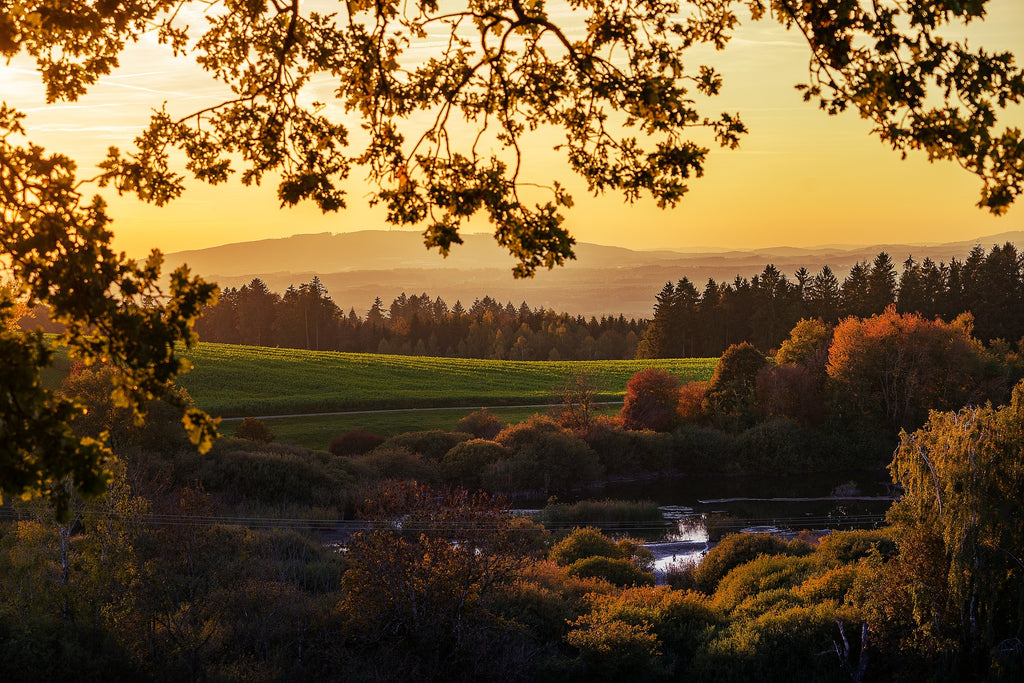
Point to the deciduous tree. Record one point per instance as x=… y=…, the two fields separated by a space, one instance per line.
x=616 y=78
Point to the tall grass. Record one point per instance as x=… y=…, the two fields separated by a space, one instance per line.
x=607 y=514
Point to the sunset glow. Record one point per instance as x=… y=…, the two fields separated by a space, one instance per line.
x=800 y=177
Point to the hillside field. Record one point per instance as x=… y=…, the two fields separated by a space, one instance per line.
x=234 y=381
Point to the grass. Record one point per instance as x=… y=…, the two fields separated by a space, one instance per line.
x=235 y=381
x=238 y=381
x=317 y=431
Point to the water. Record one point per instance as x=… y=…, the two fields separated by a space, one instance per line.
x=703 y=509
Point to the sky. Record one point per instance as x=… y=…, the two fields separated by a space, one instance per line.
x=800 y=178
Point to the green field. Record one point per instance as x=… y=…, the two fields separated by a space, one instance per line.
x=317 y=431
x=235 y=381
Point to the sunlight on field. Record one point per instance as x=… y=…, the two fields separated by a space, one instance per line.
x=245 y=380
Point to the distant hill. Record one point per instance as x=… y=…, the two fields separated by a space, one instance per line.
x=358 y=266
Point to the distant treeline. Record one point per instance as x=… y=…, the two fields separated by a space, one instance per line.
x=689 y=322
x=305 y=317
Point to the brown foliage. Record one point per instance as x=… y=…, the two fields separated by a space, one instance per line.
x=652 y=401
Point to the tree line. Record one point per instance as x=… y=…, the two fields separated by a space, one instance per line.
x=306 y=317
x=690 y=322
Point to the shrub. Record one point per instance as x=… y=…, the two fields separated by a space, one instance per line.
x=272 y=475
x=691 y=401
x=615 y=650
x=480 y=423
x=618 y=571
x=844 y=547
x=702 y=450
x=600 y=511
x=431 y=444
x=544 y=458
x=630 y=452
x=738 y=549
x=652 y=401
x=583 y=543
x=396 y=462
x=834 y=584
x=355 y=442
x=775 y=446
x=254 y=430
x=764 y=573
x=465 y=464
x=679 y=575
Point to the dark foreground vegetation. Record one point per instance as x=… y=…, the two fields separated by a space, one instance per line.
x=373 y=561
x=215 y=569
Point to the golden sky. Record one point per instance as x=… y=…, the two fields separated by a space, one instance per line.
x=800 y=178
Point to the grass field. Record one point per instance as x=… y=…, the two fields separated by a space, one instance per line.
x=317 y=431
x=234 y=381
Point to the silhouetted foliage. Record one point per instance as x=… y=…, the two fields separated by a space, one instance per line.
x=730 y=396
x=355 y=442
x=482 y=424
x=307 y=318
x=763 y=309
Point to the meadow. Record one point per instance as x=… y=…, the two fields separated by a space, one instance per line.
x=316 y=431
x=235 y=381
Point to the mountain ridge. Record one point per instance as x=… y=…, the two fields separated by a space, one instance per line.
x=356 y=267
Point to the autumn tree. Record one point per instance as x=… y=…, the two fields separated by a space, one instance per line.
x=421 y=577
x=962 y=480
x=652 y=401
x=896 y=367
x=617 y=79
x=578 y=395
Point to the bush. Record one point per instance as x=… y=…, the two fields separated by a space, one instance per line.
x=652 y=401
x=481 y=424
x=396 y=462
x=618 y=571
x=844 y=547
x=702 y=450
x=583 y=543
x=273 y=475
x=355 y=442
x=775 y=446
x=431 y=444
x=254 y=430
x=756 y=577
x=600 y=511
x=544 y=458
x=589 y=543
x=738 y=549
x=630 y=452
x=465 y=464
x=691 y=402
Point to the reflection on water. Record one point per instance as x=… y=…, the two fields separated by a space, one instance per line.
x=704 y=509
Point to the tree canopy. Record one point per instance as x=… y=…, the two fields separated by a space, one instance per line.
x=614 y=77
